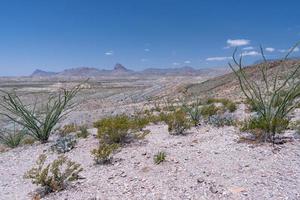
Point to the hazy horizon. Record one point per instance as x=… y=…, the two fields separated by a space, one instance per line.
x=57 y=35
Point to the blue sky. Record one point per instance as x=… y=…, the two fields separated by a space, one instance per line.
x=58 y=34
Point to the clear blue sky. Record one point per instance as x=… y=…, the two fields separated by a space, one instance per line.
x=58 y=34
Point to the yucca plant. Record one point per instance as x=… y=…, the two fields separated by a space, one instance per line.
x=193 y=110
x=38 y=123
x=274 y=96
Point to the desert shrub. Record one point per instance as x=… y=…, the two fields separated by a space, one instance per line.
x=273 y=99
x=139 y=122
x=11 y=139
x=177 y=122
x=68 y=128
x=228 y=104
x=103 y=153
x=159 y=157
x=193 y=111
x=53 y=176
x=83 y=132
x=221 y=120
x=258 y=126
x=38 y=123
x=64 y=144
x=209 y=110
x=113 y=129
x=28 y=140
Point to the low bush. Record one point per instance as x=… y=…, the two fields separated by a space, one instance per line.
x=209 y=110
x=228 y=104
x=177 y=122
x=159 y=157
x=53 y=176
x=221 y=120
x=259 y=125
x=118 y=128
x=83 y=132
x=64 y=144
x=28 y=140
x=103 y=153
x=11 y=139
x=68 y=128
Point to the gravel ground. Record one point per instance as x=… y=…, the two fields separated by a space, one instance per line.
x=207 y=163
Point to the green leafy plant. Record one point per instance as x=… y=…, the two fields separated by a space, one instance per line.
x=103 y=153
x=273 y=96
x=53 y=176
x=159 y=157
x=177 y=122
x=194 y=111
x=38 y=123
x=13 y=138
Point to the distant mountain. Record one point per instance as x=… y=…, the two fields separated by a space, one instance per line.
x=120 y=70
x=39 y=72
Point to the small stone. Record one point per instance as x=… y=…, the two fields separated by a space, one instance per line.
x=200 y=180
x=213 y=189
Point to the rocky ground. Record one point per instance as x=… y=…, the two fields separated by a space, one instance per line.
x=207 y=163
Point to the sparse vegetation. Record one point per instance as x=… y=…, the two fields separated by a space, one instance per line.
x=159 y=157
x=64 y=144
x=83 y=132
x=38 y=123
x=228 y=104
x=68 y=128
x=209 y=110
x=53 y=176
x=177 y=122
x=220 y=120
x=103 y=153
x=272 y=98
x=13 y=138
x=194 y=111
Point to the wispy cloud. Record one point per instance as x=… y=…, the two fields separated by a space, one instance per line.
x=187 y=62
x=248 y=48
x=221 y=58
x=147 y=50
x=176 y=63
x=237 y=42
x=250 y=53
x=144 y=60
x=286 y=50
x=109 y=53
x=270 y=49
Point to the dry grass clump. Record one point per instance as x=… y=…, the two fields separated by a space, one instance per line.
x=11 y=139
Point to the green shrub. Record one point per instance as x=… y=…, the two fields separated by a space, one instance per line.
x=221 y=120
x=11 y=139
x=83 y=132
x=177 y=122
x=258 y=126
x=209 y=110
x=113 y=129
x=39 y=123
x=272 y=98
x=159 y=157
x=103 y=153
x=53 y=176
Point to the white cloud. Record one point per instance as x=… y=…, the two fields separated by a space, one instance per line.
x=237 y=42
x=187 y=62
x=270 y=49
x=109 y=53
x=296 y=49
x=250 y=53
x=176 y=63
x=248 y=48
x=147 y=50
x=217 y=58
